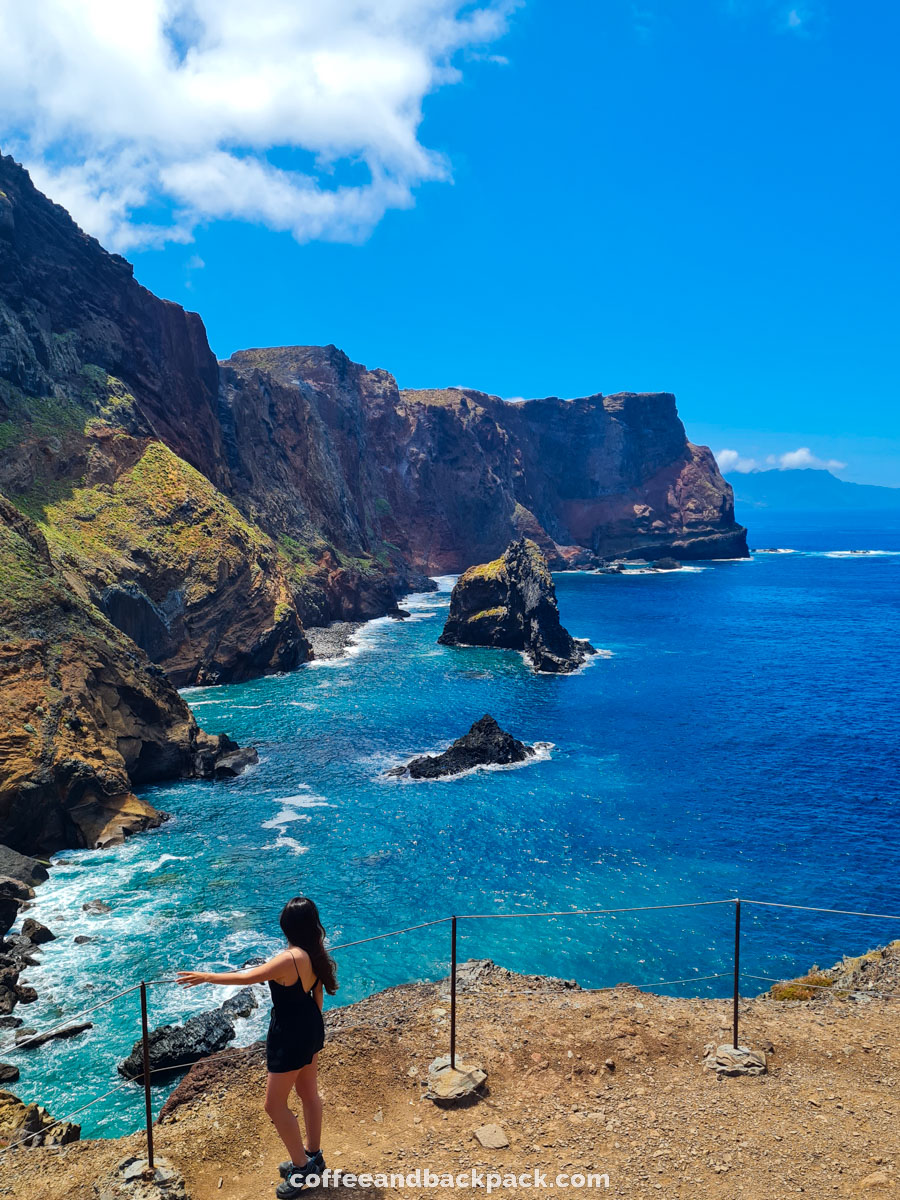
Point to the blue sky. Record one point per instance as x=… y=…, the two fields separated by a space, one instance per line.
x=694 y=196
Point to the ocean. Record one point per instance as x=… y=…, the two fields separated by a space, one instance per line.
x=738 y=738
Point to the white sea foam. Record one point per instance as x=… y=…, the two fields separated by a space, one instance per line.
x=282 y=842
x=305 y=800
x=283 y=818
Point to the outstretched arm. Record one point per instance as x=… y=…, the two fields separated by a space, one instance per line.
x=273 y=969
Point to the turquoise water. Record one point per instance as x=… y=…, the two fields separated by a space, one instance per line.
x=740 y=738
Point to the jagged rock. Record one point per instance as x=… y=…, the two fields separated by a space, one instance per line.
x=173 y=1048
x=26 y=870
x=450 y=1085
x=485 y=744
x=224 y=760
x=10 y=1022
x=8 y=999
x=8 y=1073
x=13 y=894
x=726 y=1060
x=96 y=907
x=36 y=932
x=83 y=940
x=241 y=1004
x=28 y=1040
x=667 y=564
x=31 y=1125
x=20 y=951
x=511 y=604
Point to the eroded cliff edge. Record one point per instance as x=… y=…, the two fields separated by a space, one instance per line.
x=194 y=516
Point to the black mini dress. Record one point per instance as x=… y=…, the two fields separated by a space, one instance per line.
x=296 y=1026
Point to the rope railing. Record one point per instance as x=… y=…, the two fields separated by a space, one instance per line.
x=736 y=974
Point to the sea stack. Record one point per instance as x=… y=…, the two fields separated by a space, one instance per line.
x=510 y=603
x=485 y=745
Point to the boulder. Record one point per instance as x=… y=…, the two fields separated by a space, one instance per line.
x=224 y=759
x=96 y=907
x=83 y=940
x=36 y=932
x=31 y=1125
x=27 y=1039
x=510 y=604
x=19 y=866
x=234 y=762
x=241 y=1004
x=20 y=950
x=667 y=564
x=173 y=1048
x=13 y=894
x=485 y=744
x=8 y=1073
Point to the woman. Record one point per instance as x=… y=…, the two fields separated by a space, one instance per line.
x=296 y=977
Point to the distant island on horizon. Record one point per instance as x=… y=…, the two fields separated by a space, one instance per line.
x=810 y=489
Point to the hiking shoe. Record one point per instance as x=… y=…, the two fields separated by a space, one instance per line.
x=314 y=1165
x=295 y=1177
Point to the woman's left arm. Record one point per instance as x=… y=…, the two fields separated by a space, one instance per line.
x=267 y=970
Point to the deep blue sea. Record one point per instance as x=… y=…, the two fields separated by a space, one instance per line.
x=740 y=738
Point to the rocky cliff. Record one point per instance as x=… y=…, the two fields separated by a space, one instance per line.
x=208 y=511
x=510 y=604
x=84 y=716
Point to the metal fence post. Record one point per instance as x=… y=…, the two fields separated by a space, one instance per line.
x=737 y=970
x=453 y=993
x=146 y=1048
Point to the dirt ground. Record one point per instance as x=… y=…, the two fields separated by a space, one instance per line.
x=608 y=1082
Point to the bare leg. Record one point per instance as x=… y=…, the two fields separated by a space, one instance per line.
x=278 y=1089
x=307 y=1089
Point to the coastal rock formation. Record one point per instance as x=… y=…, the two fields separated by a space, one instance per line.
x=510 y=603
x=195 y=516
x=31 y=1125
x=173 y=1048
x=13 y=894
x=84 y=715
x=486 y=744
x=594 y=478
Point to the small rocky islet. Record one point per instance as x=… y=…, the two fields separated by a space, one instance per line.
x=510 y=604
x=485 y=745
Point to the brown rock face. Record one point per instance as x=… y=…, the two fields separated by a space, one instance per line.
x=510 y=604
x=84 y=716
x=602 y=476
x=169 y=510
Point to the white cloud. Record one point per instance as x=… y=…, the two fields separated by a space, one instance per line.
x=173 y=107
x=791 y=460
x=730 y=460
x=804 y=457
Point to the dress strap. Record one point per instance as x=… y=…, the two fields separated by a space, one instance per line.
x=294 y=961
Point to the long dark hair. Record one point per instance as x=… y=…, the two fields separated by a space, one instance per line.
x=301 y=926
